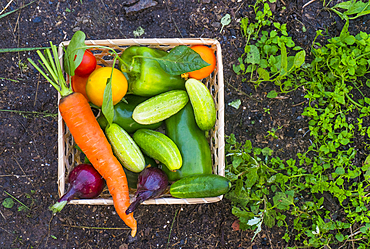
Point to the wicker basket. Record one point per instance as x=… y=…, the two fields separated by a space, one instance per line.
x=69 y=156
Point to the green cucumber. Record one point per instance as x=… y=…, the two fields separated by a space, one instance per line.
x=192 y=143
x=160 y=147
x=160 y=107
x=125 y=148
x=203 y=104
x=123 y=115
x=200 y=186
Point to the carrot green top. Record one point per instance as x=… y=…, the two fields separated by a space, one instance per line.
x=54 y=73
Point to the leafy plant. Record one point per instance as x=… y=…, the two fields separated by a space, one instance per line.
x=138 y=32
x=273 y=131
x=269 y=56
x=353 y=9
x=294 y=193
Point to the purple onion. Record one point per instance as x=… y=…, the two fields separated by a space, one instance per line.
x=84 y=182
x=152 y=182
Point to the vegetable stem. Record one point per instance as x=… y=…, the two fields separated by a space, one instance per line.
x=57 y=207
x=53 y=68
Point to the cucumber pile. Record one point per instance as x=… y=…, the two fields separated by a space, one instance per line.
x=182 y=150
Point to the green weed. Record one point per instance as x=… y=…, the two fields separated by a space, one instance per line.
x=292 y=193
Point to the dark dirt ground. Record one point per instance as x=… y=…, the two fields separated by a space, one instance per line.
x=28 y=142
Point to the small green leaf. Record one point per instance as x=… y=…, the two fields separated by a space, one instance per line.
x=22 y=208
x=252 y=178
x=265 y=75
x=339 y=237
x=350 y=40
x=269 y=218
x=237 y=161
x=225 y=20
x=53 y=237
x=282 y=200
x=181 y=59
x=340 y=181
x=138 y=32
x=267 y=151
x=299 y=59
x=254 y=221
x=76 y=49
x=272 y=94
x=235 y=103
x=340 y=171
x=8 y=203
x=364 y=229
x=253 y=56
x=107 y=108
x=236 y=69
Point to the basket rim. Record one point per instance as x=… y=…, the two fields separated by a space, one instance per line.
x=150 y=41
x=219 y=80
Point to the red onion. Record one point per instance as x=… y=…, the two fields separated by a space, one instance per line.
x=84 y=182
x=152 y=182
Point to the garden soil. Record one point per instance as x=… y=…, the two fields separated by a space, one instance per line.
x=28 y=119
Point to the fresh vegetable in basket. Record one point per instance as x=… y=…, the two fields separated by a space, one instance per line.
x=208 y=56
x=153 y=71
x=160 y=107
x=84 y=182
x=203 y=104
x=97 y=82
x=158 y=146
x=79 y=118
x=146 y=77
x=87 y=65
x=132 y=177
x=125 y=148
x=152 y=182
x=191 y=142
x=79 y=83
x=200 y=186
x=123 y=115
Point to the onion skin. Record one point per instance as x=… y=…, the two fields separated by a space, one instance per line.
x=84 y=182
x=152 y=182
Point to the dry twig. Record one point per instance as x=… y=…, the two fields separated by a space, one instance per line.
x=23 y=172
x=98 y=228
x=308 y=3
x=6 y=6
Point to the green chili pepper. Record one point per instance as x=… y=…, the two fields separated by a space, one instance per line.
x=145 y=75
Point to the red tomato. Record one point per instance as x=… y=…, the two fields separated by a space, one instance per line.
x=87 y=65
x=79 y=83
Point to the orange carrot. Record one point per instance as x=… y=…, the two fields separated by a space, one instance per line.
x=88 y=135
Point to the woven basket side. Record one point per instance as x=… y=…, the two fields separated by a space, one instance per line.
x=221 y=112
x=69 y=156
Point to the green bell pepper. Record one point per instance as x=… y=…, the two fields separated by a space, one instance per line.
x=123 y=115
x=145 y=75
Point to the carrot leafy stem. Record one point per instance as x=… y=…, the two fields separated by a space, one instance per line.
x=52 y=70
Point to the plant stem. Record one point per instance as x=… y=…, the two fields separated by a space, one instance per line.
x=17 y=200
x=173 y=221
